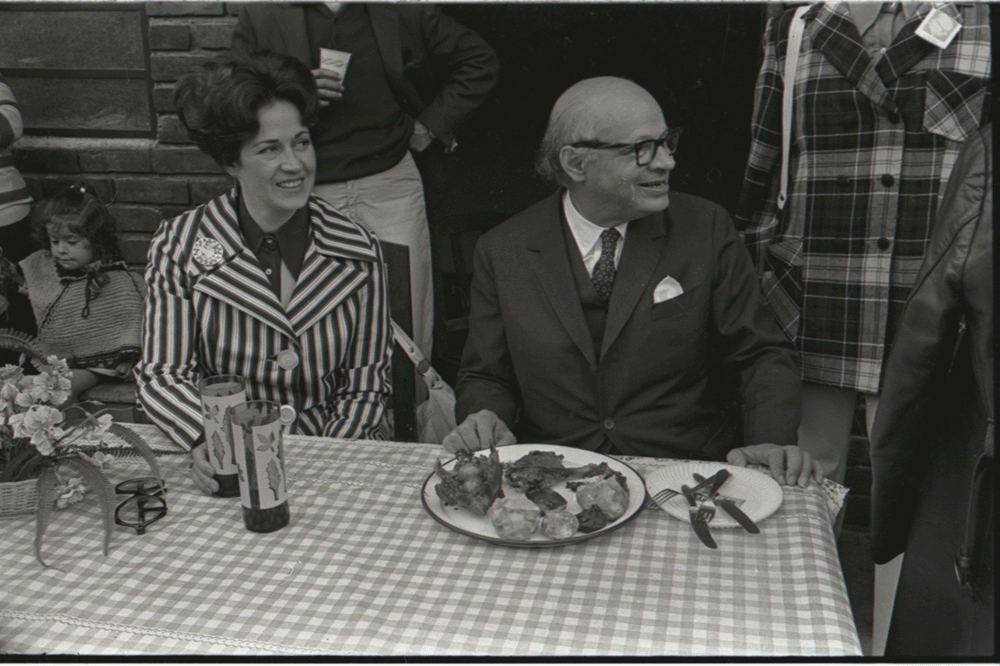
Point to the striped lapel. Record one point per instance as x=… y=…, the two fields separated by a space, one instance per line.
x=238 y=280
x=836 y=37
x=326 y=279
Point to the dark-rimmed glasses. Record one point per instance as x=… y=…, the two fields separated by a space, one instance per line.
x=146 y=502
x=645 y=151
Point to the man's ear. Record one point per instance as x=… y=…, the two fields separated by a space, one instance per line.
x=574 y=162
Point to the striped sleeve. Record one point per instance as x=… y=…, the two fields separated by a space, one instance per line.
x=757 y=225
x=363 y=384
x=11 y=126
x=166 y=375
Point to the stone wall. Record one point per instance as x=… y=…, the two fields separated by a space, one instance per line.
x=147 y=180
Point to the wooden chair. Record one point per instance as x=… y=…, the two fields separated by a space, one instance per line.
x=404 y=376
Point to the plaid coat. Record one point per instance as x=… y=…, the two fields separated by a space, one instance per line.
x=873 y=142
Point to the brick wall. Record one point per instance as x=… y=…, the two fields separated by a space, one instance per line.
x=146 y=179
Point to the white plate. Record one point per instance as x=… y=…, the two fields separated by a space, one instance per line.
x=761 y=494
x=481 y=527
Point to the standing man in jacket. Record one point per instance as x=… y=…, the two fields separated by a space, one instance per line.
x=884 y=97
x=932 y=444
x=403 y=78
x=619 y=316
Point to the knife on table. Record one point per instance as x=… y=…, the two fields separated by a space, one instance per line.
x=729 y=507
x=699 y=525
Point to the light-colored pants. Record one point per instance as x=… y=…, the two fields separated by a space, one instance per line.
x=825 y=430
x=390 y=204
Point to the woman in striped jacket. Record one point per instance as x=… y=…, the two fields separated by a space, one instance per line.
x=267 y=281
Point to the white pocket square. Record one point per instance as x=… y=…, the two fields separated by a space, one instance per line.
x=667 y=289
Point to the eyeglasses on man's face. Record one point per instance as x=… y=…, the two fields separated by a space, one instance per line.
x=645 y=151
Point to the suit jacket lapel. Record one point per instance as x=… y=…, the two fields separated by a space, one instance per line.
x=550 y=263
x=385 y=26
x=238 y=281
x=836 y=37
x=639 y=259
x=292 y=26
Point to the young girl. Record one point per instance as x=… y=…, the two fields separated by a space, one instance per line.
x=87 y=304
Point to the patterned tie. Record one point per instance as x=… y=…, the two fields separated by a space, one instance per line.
x=604 y=271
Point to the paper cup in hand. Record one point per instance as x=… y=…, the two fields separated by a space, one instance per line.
x=218 y=394
x=334 y=60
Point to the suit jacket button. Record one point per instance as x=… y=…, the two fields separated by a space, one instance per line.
x=288 y=359
x=887 y=179
x=893 y=117
x=608 y=424
x=883 y=243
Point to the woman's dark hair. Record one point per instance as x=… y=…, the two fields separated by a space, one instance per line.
x=219 y=103
x=84 y=215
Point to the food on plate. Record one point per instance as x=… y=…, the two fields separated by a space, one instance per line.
x=474 y=483
x=592 y=519
x=515 y=518
x=546 y=499
x=544 y=469
x=606 y=494
x=559 y=524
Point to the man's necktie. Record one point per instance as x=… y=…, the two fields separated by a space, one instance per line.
x=604 y=271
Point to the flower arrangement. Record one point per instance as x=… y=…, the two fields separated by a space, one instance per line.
x=36 y=442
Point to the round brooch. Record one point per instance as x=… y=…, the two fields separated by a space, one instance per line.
x=207 y=252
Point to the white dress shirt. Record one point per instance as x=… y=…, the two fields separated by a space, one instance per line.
x=588 y=235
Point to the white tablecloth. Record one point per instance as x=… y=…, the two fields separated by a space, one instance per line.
x=363 y=570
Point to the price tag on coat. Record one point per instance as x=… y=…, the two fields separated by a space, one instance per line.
x=938 y=28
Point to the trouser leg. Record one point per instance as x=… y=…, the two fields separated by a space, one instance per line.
x=825 y=429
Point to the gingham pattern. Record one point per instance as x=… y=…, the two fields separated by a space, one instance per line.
x=362 y=569
x=873 y=143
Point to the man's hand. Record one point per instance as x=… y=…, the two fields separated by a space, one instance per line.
x=329 y=86
x=789 y=465
x=477 y=432
x=201 y=470
x=421 y=137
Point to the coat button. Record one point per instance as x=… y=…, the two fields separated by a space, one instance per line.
x=608 y=424
x=287 y=415
x=893 y=117
x=887 y=179
x=883 y=243
x=288 y=359
x=843 y=181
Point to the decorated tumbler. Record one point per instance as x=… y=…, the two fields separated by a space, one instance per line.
x=218 y=394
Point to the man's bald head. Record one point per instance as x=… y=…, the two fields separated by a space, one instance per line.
x=582 y=112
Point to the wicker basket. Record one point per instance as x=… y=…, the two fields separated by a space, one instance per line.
x=18 y=497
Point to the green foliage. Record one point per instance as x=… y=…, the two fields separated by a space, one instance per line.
x=129 y=437
x=46 y=486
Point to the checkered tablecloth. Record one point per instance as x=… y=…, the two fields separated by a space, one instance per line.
x=363 y=570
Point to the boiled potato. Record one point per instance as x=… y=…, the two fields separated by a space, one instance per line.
x=515 y=518
x=559 y=524
x=606 y=494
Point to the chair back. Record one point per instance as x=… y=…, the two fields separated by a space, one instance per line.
x=403 y=400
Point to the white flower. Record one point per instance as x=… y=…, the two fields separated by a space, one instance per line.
x=71 y=492
x=44 y=387
x=99 y=458
x=8 y=394
x=41 y=424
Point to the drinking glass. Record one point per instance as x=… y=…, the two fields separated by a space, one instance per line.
x=260 y=460
x=218 y=394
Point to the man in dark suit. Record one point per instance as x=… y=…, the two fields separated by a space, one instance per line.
x=602 y=319
x=395 y=82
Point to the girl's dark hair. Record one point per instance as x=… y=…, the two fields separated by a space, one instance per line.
x=85 y=215
x=219 y=103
